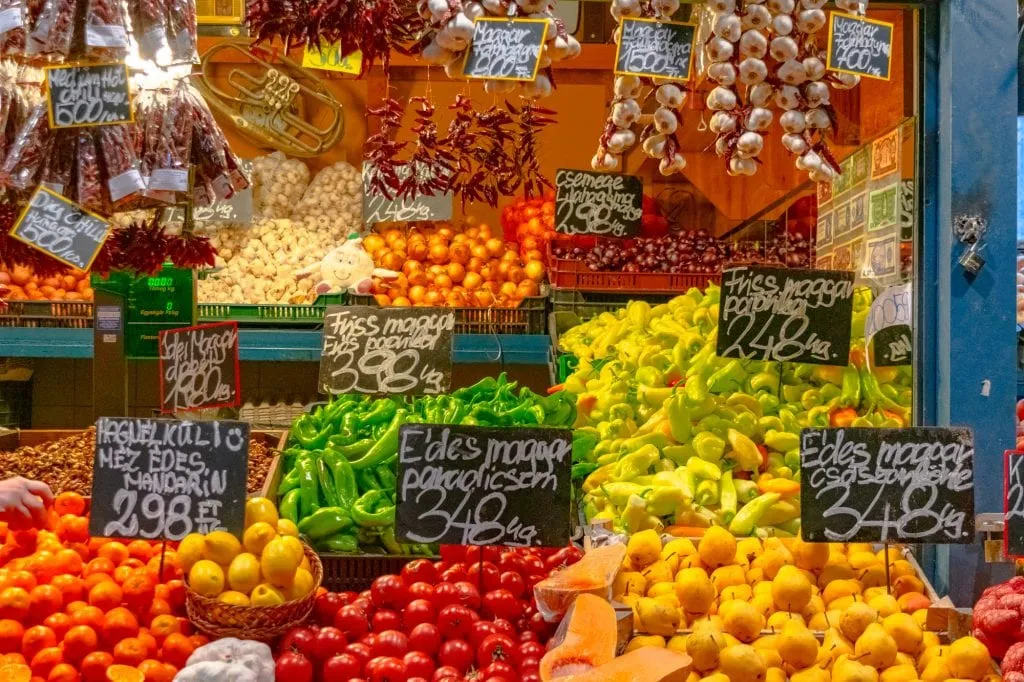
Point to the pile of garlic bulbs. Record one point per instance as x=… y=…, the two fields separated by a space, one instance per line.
x=450 y=25
x=659 y=138
x=278 y=183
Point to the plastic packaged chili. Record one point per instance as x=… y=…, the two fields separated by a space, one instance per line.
x=123 y=179
x=106 y=31
x=53 y=31
x=149 y=21
x=88 y=180
x=169 y=171
x=24 y=160
x=182 y=31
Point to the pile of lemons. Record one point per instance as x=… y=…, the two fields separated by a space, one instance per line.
x=268 y=567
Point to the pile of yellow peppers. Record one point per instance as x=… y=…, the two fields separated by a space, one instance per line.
x=668 y=434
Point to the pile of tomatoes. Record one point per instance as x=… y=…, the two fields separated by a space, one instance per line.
x=530 y=223
x=470 y=616
x=81 y=609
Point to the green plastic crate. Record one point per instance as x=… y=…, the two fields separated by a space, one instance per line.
x=528 y=318
x=275 y=314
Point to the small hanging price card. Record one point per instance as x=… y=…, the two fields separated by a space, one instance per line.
x=659 y=49
x=505 y=49
x=377 y=208
x=61 y=228
x=860 y=46
x=330 y=59
x=98 y=94
x=199 y=367
x=606 y=204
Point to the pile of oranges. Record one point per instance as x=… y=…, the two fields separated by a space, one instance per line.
x=81 y=609
x=455 y=266
x=25 y=285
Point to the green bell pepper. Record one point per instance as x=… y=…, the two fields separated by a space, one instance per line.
x=325 y=479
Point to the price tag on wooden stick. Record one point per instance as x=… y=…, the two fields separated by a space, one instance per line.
x=471 y=485
x=61 y=228
x=161 y=479
x=786 y=315
x=658 y=49
x=386 y=350
x=860 y=46
x=887 y=485
x=98 y=94
x=199 y=367
x=505 y=49
x=377 y=208
x=607 y=204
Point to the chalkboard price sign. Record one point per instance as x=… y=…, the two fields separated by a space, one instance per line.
x=659 y=49
x=608 y=204
x=860 y=46
x=386 y=350
x=61 y=228
x=887 y=485
x=377 y=208
x=98 y=94
x=1013 y=503
x=164 y=478
x=505 y=49
x=786 y=315
x=199 y=367
x=887 y=328
x=471 y=485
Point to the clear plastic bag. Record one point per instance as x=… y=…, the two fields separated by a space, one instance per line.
x=168 y=170
x=53 y=30
x=123 y=179
x=278 y=185
x=182 y=31
x=336 y=193
x=88 y=177
x=106 y=30
x=149 y=22
x=24 y=161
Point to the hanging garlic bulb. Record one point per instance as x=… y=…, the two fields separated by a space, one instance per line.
x=753 y=71
x=811 y=20
x=665 y=120
x=845 y=81
x=719 y=49
x=783 y=48
x=816 y=94
x=781 y=6
x=794 y=143
x=753 y=44
x=673 y=164
x=721 y=99
x=495 y=87
x=621 y=140
x=787 y=97
x=728 y=27
x=756 y=17
x=665 y=8
x=749 y=144
x=817 y=118
x=604 y=162
x=759 y=119
x=812 y=4
x=761 y=94
x=782 y=24
x=625 y=113
x=723 y=122
x=627 y=87
x=654 y=145
x=722 y=73
x=670 y=95
x=793 y=122
x=814 y=68
x=722 y=6
x=740 y=166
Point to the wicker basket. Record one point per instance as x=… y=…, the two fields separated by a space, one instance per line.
x=262 y=623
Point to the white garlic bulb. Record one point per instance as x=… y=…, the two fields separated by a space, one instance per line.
x=604 y=162
x=665 y=120
x=723 y=73
x=722 y=147
x=496 y=87
x=756 y=17
x=728 y=27
x=753 y=44
x=448 y=40
x=782 y=24
x=811 y=20
x=719 y=49
x=740 y=166
x=812 y=4
x=665 y=8
x=435 y=54
x=721 y=99
x=783 y=48
x=761 y=94
x=846 y=81
x=759 y=119
x=814 y=68
x=621 y=140
x=792 y=72
x=724 y=122
x=722 y=6
x=654 y=145
x=753 y=71
x=792 y=121
x=668 y=166
x=670 y=95
x=817 y=118
x=539 y=87
x=787 y=97
x=808 y=161
x=782 y=6
x=816 y=93
x=749 y=144
x=627 y=86
x=794 y=143
x=625 y=113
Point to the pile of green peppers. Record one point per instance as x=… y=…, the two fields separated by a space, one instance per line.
x=340 y=467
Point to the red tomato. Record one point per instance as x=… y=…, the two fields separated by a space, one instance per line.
x=425 y=637
x=485 y=576
x=456 y=653
x=533 y=564
x=531 y=650
x=417 y=611
x=480 y=631
x=385 y=669
x=329 y=642
x=453 y=573
x=391 y=643
x=526 y=635
x=499 y=669
x=360 y=651
x=418 y=664
x=529 y=665
x=469 y=596
x=513 y=582
x=543 y=628
x=385 y=619
x=446 y=673
x=299 y=640
x=510 y=561
x=455 y=621
x=444 y=594
x=293 y=667
x=327 y=606
x=342 y=667
x=352 y=621
x=389 y=591
x=529 y=676
x=501 y=603
x=566 y=556
x=421 y=591
x=503 y=627
x=363 y=604
x=420 y=570
x=495 y=648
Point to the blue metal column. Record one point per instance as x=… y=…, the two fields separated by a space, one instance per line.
x=972 y=353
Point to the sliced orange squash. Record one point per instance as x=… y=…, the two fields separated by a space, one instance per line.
x=589 y=641
x=640 y=665
x=593 y=574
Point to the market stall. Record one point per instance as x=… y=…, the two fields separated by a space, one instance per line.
x=507 y=340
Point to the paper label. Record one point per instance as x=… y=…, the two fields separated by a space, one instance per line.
x=169 y=179
x=105 y=35
x=11 y=18
x=125 y=184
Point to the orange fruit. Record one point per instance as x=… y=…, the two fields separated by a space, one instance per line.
x=15 y=672
x=159 y=607
x=155 y=671
x=199 y=640
x=119 y=623
x=176 y=594
x=60 y=623
x=69 y=503
x=68 y=561
x=162 y=626
x=88 y=615
x=14 y=603
x=11 y=632
x=63 y=672
x=97 y=578
x=132 y=562
x=79 y=642
x=22 y=579
x=141 y=550
x=46 y=660
x=113 y=550
x=98 y=565
x=71 y=588
x=44 y=600
x=106 y=596
x=171 y=569
x=146 y=638
x=94 y=666
x=73 y=528
x=13 y=659
x=124 y=673
x=35 y=639
x=139 y=590
x=43 y=566
x=130 y=651
x=176 y=649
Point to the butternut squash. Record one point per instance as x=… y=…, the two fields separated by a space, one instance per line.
x=589 y=641
x=593 y=574
x=641 y=665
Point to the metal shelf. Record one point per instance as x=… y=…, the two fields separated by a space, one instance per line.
x=274 y=345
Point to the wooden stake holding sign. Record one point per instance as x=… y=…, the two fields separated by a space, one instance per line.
x=163 y=478
x=199 y=367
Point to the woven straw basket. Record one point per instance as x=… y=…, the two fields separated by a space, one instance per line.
x=262 y=623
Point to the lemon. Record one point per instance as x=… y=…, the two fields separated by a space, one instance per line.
x=260 y=509
x=287 y=527
x=279 y=562
x=221 y=547
x=302 y=586
x=244 y=572
x=295 y=545
x=206 y=578
x=257 y=536
x=265 y=595
x=232 y=597
x=190 y=550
